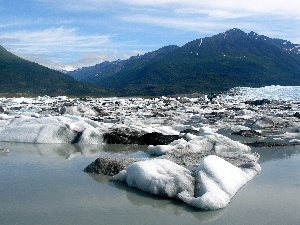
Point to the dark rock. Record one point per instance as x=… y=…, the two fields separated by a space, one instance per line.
x=247 y=133
x=189 y=160
x=100 y=111
x=269 y=144
x=77 y=137
x=122 y=136
x=297 y=115
x=68 y=104
x=235 y=108
x=190 y=131
x=156 y=138
x=110 y=166
x=212 y=96
x=127 y=136
x=258 y=102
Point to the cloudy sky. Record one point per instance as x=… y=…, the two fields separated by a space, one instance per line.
x=68 y=34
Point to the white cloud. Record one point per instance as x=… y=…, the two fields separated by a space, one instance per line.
x=182 y=23
x=64 y=48
x=60 y=38
x=120 y=26
x=93 y=58
x=212 y=14
x=280 y=7
x=54 y=46
x=290 y=7
x=280 y=18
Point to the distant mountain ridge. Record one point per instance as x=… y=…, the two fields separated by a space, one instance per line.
x=229 y=59
x=105 y=69
x=19 y=76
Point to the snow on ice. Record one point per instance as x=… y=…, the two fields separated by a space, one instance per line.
x=210 y=187
x=205 y=142
x=217 y=181
x=57 y=129
x=158 y=176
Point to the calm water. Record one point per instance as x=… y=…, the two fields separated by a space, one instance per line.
x=45 y=184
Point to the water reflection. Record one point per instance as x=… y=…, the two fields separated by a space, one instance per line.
x=4 y=151
x=70 y=151
x=266 y=153
x=276 y=153
x=166 y=205
x=36 y=190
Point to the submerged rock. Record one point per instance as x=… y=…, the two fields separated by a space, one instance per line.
x=110 y=166
x=206 y=171
x=184 y=153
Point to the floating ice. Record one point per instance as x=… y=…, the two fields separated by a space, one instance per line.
x=57 y=129
x=158 y=176
x=5 y=117
x=284 y=93
x=210 y=187
x=217 y=181
x=212 y=183
x=216 y=143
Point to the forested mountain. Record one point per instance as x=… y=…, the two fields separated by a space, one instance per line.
x=19 y=76
x=211 y=64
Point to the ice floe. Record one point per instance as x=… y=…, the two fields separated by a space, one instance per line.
x=205 y=157
x=158 y=176
x=211 y=186
x=56 y=129
x=217 y=181
x=216 y=143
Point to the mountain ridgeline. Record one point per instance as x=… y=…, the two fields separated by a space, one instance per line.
x=21 y=77
x=211 y=64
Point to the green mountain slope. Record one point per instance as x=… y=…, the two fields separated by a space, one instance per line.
x=24 y=77
x=211 y=64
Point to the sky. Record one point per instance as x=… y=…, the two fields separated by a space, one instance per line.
x=70 y=34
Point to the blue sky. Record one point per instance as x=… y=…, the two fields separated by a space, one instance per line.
x=68 y=34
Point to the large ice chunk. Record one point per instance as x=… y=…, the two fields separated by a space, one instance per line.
x=210 y=187
x=57 y=129
x=216 y=143
x=158 y=176
x=217 y=181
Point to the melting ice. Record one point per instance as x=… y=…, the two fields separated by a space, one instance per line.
x=211 y=183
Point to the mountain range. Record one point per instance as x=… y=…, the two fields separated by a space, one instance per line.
x=21 y=77
x=210 y=64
